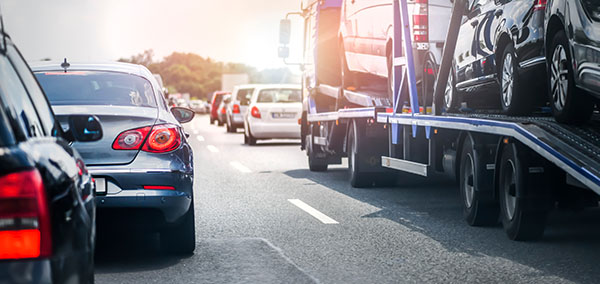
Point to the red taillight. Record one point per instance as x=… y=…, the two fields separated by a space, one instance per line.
x=163 y=138
x=255 y=112
x=223 y=111
x=236 y=109
x=159 y=139
x=159 y=187
x=421 y=21
x=24 y=216
x=540 y=5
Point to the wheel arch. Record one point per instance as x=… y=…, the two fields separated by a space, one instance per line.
x=554 y=25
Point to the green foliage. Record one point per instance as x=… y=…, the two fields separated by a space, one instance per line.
x=200 y=76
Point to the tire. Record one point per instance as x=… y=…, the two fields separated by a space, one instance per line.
x=251 y=139
x=212 y=120
x=220 y=123
x=358 y=178
x=180 y=239
x=514 y=99
x=317 y=161
x=230 y=128
x=569 y=104
x=477 y=209
x=520 y=221
x=452 y=97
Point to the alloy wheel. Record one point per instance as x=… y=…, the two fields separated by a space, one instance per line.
x=468 y=186
x=507 y=80
x=449 y=92
x=559 y=81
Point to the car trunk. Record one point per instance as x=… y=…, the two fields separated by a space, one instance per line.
x=114 y=120
x=280 y=112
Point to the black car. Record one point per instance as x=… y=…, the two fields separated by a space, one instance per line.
x=144 y=165
x=47 y=208
x=573 y=58
x=500 y=51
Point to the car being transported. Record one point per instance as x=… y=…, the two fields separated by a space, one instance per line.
x=274 y=113
x=143 y=166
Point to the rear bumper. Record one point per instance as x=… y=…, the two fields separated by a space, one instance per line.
x=26 y=271
x=266 y=130
x=237 y=120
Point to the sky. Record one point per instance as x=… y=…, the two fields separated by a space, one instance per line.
x=243 y=31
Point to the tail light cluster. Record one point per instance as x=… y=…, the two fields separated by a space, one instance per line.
x=223 y=110
x=255 y=112
x=421 y=21
x=236 y=109
x=540 y=5
x=25 y=229
x=158 y=139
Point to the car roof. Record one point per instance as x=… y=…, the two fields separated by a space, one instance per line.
x=277 y=86
x=122 y=67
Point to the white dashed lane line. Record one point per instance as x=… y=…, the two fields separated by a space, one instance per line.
x=200 y=138
x=313 y=212
x=238 y=166
x=212 y=148
x=196 y=132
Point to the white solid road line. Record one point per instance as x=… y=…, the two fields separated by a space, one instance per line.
x=240 y=167
x=200 y=138
x=212 y=148
x=312 y=211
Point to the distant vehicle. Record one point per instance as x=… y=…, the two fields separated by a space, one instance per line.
x=47 y=208
x=222 y=109
x=198 y=106
x=183 y=103
x=240 y=99
x=143 y=166
x=274 y=112
x=572 y=41
x=214 y=105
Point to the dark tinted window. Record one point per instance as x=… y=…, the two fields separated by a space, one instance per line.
x=17 y=102
x=279 y=96
x=218 y=99
x=244 y=95
x=593 y=9
x=96 y=88
x=37 y=96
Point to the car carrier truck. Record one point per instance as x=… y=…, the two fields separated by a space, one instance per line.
x=512 y=169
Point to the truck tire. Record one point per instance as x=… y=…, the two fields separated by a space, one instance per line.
x=317 y=160
x=180 y=239
x=521 y=221
x=569 y=104
x=359 y=178
x=478 y=209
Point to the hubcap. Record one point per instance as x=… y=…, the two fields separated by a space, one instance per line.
x=559 y=82
x=468 y=187
x=507 y=80
x=510 y=194
x=448 y=93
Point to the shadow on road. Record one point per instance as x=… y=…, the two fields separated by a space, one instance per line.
x=432 y=207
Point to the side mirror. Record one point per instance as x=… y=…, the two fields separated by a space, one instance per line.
x=285 y=30
x=84 y=128
x=183 y=115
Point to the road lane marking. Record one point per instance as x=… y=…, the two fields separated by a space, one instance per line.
x=212 y=148
x=193 y=126
x=237 y=165
x=196 y=132
x=312 y=211
x=200 y=138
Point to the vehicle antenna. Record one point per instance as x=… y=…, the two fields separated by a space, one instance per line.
x=65 y=65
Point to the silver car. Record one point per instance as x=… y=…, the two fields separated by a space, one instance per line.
x=236 y=110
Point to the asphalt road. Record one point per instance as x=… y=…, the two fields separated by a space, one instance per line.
x=252 y=228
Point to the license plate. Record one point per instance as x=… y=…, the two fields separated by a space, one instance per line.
x=100 y=186
x=284 y=115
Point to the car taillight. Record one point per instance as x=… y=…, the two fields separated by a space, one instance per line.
x=24 y=216
x=421 y=22
x=223 y=111
x=540 y=5
x=236 y=109
x=160 y=139
x=255 y=112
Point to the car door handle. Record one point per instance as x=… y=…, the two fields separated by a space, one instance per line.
x=498 y=13
x=475 y=23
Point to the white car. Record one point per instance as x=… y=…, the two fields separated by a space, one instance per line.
x=236 y=110
x=273 y=113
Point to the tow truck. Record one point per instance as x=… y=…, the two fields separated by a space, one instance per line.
x=513 y=169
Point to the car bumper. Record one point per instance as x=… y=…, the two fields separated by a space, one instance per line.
x=237 y=120
x=26 y=271
x=267 y=130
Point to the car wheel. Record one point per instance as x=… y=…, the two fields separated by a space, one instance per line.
x=476 y=210
x=452 y=98
x=220 y=123
x=229 y=129
x=569 y=105
x=513 y=99
x=212 y=120
x=251 y=139
x=181 y=239
x=519 y=221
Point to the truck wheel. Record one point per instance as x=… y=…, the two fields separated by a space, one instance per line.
x=569 y=104
x=358 y=178
x=477 y=210
x=514 y=100
x=519 y=220
x=180 y=239
x=317 y=162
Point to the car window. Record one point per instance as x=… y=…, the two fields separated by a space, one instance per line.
x=593 y=9
x=279 y=96
x=6 y=136
x=244 y=95
x=17 y=100
x=96 y=88
x=35 y=92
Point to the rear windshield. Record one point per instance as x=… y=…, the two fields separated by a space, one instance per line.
x=279 y=96
x=593 y=9
x=96 y=88
x=218 y=99
x=244 y=95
